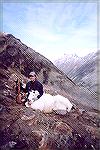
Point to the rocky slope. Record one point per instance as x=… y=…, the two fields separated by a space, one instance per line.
x=26 y=129
x=82 y=70
x=17 y=56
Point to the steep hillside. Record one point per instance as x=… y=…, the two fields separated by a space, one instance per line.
x=82 y=70
x=17 y=56
x=27 y=129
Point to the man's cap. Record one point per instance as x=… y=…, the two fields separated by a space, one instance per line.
x=32 y=73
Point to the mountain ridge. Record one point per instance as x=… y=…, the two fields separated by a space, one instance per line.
x=82 y=70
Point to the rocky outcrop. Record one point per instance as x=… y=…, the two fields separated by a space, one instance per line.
x=28 y=129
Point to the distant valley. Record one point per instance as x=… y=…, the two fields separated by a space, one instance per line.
x=82 y=70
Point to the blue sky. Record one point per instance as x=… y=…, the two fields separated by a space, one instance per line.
x=53 y=29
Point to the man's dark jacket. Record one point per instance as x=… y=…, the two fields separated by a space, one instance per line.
x=36 y=85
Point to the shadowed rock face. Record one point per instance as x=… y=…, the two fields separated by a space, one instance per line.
x=26 y=129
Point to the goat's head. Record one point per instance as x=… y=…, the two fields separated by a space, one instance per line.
x=33 y=95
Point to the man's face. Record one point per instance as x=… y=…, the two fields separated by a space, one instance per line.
x=32 y=78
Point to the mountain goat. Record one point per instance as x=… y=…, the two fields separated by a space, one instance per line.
x=48 y=103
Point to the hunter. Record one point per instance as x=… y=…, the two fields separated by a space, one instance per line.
x=34 y=84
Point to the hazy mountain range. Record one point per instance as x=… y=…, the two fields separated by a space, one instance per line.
x=82 y=70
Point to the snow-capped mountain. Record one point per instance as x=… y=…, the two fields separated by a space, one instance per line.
x=82 y=70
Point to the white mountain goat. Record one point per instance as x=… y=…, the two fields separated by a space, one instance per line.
x=48 y=103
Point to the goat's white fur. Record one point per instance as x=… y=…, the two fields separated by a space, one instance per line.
x=33 y=95
x=48 y=103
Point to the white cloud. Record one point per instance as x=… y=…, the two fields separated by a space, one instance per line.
x=54 y=28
